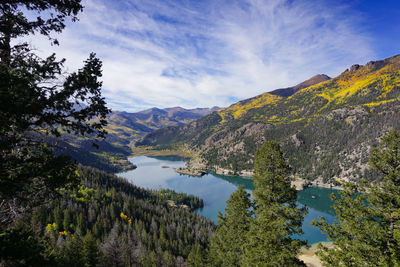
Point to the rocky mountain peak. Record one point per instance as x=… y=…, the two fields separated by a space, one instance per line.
x=286 y=92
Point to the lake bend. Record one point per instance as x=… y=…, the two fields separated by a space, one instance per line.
x=158 y=173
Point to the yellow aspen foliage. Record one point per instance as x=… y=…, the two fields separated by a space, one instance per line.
x=236 y=110
x=63 y=233
x=123 y=216
x=51 y=227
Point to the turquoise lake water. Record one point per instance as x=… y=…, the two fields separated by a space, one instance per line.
x=215 y=190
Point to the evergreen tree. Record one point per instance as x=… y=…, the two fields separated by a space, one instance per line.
x=21 y=247
x=269 y=241
x=227 y=244
x=168 y=259
x=90 y=250
x=197 y=257
x=38 y=98
x=70 y=254
x=367 y=229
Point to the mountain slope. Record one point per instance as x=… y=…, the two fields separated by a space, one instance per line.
x=236 y=110
x=286 y=92
x=124 y=128
x=326 y=129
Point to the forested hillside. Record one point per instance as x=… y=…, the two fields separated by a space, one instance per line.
x=110 y=222
x=123 y=129
x=325 y=129
x=53 y=212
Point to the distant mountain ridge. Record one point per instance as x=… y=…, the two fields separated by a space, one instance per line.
x=123 y=129
x=286 y=92
x=236 y=110
x=325 y=128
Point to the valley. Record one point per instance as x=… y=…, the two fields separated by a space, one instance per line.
x=325 y=126
x=326 y=129
x=123 y=129
x=263 y=167
x=215 y=190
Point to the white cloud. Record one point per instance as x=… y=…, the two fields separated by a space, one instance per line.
x=200 y=53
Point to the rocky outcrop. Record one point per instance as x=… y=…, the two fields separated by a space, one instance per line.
x=286 y=92
x=191 y=171
x=325 y=130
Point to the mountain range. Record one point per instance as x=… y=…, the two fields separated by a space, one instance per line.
x=123 y=129
x=325 y=126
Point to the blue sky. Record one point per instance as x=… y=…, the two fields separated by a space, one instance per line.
x=204 y=53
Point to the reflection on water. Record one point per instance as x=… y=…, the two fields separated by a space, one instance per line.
x=215 y=190
x=168 y=158
x=236 y=180
x=317 y=198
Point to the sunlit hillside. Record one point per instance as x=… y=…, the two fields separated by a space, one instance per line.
x=326 y=129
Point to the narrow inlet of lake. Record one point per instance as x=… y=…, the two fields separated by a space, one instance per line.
x=158 y=173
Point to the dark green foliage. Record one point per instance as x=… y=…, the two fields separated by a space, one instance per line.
x=269 y=161
x=229 y=239
x=366 y=232
x=30 y=175
x=107 y=157
x=90 y=252
x=259 y=233
x=324 y=153
x=197 y=257
x=39 y=98
x=112 y=222
x=69 y=251
x=269 y=241
x=191 y=201
x=21 y=247
x=386 y=158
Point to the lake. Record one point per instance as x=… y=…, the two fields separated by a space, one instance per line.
x=215 y=190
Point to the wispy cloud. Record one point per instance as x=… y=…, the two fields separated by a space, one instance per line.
x=205 y=53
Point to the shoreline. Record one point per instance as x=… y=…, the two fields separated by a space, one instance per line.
x=191 y=171
x=135 y=152
x=298 y=183
x=309 y=254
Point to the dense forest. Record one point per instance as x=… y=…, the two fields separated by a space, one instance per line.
x=107 y=221
x=54 y=212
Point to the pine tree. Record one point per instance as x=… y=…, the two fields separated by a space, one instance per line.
x=197 y=257
x=90 y=250
x=227 y=244
x=367 y=229
x=38 y=98
x=269 y=241
x=168 y=259
x=70 y=254
x=21 y=247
